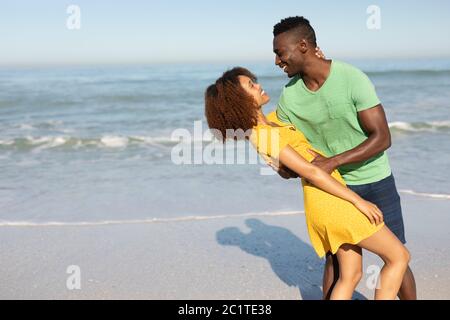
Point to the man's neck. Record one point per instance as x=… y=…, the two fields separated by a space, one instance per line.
x=315 y=73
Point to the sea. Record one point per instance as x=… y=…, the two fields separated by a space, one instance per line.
x=86 y=145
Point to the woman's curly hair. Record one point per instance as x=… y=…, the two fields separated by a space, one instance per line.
x=228 y=107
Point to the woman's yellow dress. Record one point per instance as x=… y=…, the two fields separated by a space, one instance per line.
x=331 y=221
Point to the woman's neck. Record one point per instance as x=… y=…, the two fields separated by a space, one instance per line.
x=261 y=118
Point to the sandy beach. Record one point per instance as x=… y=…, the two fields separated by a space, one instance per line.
x=240 y=257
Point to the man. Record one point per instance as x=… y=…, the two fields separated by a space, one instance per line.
x=336 y=107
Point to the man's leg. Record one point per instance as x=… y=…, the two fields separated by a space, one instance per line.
x=408 y=288
x=330 y=275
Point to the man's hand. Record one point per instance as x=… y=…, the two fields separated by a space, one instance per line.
x=284 y=171
x=373 y=122
x=324 y=163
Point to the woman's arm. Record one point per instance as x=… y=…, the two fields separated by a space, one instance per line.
x=290 y=158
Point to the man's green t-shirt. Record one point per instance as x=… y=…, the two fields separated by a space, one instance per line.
x=328 y=118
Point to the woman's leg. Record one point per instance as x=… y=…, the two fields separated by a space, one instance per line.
x=350 y=272
x=396 y=258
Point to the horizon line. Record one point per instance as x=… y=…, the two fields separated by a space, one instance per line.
x=197 y=62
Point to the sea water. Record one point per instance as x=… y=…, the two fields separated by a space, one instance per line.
x=94 y=144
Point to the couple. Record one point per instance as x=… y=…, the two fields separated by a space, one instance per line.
x=330 y=129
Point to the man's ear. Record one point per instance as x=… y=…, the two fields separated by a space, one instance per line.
x=303 y=46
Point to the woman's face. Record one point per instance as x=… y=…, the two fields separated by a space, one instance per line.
x=254 y=90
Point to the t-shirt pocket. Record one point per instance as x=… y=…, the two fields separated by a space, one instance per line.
x=339 y=108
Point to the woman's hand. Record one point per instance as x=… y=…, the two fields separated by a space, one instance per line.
x=370 y=210
x=319 y=53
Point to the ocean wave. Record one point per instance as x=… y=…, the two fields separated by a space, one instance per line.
x=411 y=72
x=143 y=221
x=429 y=126
x=372 y=72
x=56 y=126
x=50 y=124
x=426 y=195
x=28 y=143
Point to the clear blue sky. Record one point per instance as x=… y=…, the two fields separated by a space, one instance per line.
x=135 y=31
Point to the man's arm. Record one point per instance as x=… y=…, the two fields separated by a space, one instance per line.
x=374 y=123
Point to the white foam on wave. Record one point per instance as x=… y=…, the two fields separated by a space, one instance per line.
x=6 y=142
x=47 y=142
x=53 y=122
x=429 y=126
x=39 y=140
x=56 y=142
x=153 y=141
x=39 y=125
x=427 y=195
x=25 y=126
x=143 y=221
x=114 y=141
x=401 y=125
x=106 y=141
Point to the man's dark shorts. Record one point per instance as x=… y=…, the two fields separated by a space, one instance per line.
x=385 y=195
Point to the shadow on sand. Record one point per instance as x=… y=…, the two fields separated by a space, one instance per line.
x=292 y=260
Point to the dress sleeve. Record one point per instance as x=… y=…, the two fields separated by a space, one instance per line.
x=271 y=140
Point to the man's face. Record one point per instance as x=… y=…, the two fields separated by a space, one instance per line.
x=287 y=53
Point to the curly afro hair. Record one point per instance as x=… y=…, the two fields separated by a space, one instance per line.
x=228 y=108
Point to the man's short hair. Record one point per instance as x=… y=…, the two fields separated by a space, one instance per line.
x=299 y=25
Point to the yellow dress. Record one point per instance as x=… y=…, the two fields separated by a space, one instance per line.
x=331 y=221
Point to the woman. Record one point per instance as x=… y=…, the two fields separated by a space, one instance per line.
x=338 y=220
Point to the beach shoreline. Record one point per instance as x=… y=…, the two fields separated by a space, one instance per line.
x=260 y=257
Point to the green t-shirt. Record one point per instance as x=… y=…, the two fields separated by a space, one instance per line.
x=328 y=118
